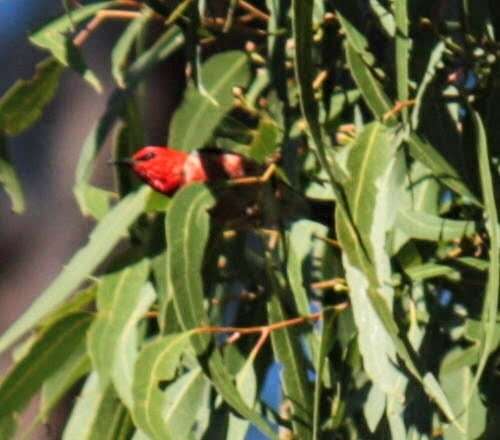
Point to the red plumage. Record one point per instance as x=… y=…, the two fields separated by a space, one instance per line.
x=167 y=170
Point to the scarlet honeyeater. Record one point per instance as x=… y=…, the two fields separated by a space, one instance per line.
x=167 y=170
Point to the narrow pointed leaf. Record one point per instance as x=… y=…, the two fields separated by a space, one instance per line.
x=63 y=379
x=102 y=240
x=297 y=389
x=372 y=193
x=98 y=413
x=182 y=402
x=402 y=51
x=326 y=342
x=121 y=303
x=490 y=304
x=157 y=362
x=195 y=120
x=188 y=228
x=10 y=180
x=430 y=72
x=350 y=21
x=370 y=87
x=123 y=48
x=52 y=347
x=432 y=159
x=423 y=226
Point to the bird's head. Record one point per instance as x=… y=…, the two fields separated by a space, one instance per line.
x=159 y=167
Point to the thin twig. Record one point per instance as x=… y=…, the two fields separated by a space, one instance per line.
x=320 y=79
x=335 y=283
x=253 y=10
x=100 y=18
x=400 y=105
x=330 y=241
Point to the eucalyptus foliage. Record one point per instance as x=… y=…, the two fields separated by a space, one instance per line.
x=370 y=278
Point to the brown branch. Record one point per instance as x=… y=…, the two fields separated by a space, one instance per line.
x=335 y=284
x=257 y=13
x=100 y=18
x=271 y=327
x=320 y=79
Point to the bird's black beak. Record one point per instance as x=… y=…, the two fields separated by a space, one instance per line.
x=124 y=161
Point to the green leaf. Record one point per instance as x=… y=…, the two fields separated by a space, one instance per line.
x=423 y=226
x=296 y=387
x=303 y=235
x=53 y=37
x=23 y=104
x=123 y=47
x=304 y=71
x=187 y=229
x=102 y=240
x=431 y=270
x=427 y=380
x=112 y=339
x=374 y=406
x=158 y=362
x=197 y=117
x=8 y=427
x=385 y=17
x=490 y=304
x=430 y=72
x=246 y=383
x=51 y=348
x=472 y=414
x=326 y=341
x=182 y=403
x=432 y=159
x=265 y=141
x=98 y=413
x=63 y=379
x=276 y=52
x=403 y=46
x=223 y=383
x=79 y=302
x=373 y=191
x=350 y=22
x=370 y=87
x=9 y=179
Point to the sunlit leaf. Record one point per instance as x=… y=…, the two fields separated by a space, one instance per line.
x=490 y=304
x=112 y=339
x=157 y=362
x=98 y=413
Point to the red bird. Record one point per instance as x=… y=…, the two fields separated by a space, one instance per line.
x=167 y=170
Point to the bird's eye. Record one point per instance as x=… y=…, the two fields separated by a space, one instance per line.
x=148 y=156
